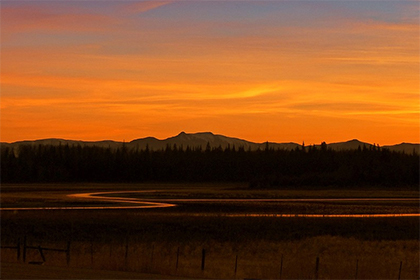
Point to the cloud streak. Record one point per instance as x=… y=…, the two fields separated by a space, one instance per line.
x=16 y=20
x=274 y=71
x=144 y=6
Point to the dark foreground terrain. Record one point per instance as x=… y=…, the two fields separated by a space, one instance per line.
x=29 y=271
x=198 y=240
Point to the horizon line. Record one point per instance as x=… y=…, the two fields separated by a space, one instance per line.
x=204 y=132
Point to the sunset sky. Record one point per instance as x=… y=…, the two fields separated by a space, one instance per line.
x=281 y=71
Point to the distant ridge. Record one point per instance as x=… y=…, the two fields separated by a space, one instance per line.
x=202 y=140
x=404 y=147
x=349 y=145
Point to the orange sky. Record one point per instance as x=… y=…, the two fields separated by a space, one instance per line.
x=261 y=71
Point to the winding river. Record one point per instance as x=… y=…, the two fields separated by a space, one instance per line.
x=139 y=203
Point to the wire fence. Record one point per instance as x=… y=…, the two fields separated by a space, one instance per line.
x=186 y=261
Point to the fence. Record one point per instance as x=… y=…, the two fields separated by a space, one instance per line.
x=127 y=255
x=39 y=248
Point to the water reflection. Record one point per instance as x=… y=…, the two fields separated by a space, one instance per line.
x=163 y=203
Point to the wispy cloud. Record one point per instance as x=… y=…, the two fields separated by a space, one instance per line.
x=31 y=18
x=144 y=6
x=283 y=69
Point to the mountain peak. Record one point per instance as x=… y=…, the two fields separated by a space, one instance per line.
x=205 y=133
x=202 y=139
x=197 y=133
x=354 y=141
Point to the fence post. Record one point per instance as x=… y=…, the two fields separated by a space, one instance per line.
x=24 y=248
x=18 y=249
x=316 y=267
x=177 y=259
x=399 y=272
x=357 y=269
x=68 y=253
x=203 y=259
x=41 y=253
x=281 y=266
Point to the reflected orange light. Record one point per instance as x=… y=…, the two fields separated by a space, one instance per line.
x=163 y=203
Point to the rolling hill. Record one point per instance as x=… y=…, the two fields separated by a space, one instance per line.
x=202 y=140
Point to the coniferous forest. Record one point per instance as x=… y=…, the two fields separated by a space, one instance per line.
x=267 y=168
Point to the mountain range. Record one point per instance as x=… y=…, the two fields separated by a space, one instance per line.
x=203 y=139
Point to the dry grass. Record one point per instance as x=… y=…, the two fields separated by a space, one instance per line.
x=27 y=271
x=99 y=238
x=260 y=259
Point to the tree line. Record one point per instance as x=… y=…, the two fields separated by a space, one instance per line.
x=265 y=168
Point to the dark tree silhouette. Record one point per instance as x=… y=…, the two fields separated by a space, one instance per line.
x=268 y=168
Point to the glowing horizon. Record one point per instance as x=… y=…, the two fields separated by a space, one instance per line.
x=255 y=70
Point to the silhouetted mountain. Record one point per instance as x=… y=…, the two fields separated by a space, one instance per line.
x=349 y=145
x=404 y=147
x=58 y=142
x=202 y=140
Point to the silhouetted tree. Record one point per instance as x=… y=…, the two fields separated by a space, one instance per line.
x=266 y=168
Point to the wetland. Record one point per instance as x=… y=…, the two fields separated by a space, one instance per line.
x=171 y=240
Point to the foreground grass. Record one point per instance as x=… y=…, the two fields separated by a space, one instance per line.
x=151 y=240
x=339 y=258
x=150 y=243
x=27 y=271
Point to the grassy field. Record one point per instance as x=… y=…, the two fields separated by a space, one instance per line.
x=151 y=240
x=339 y=258
x=27 y=271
